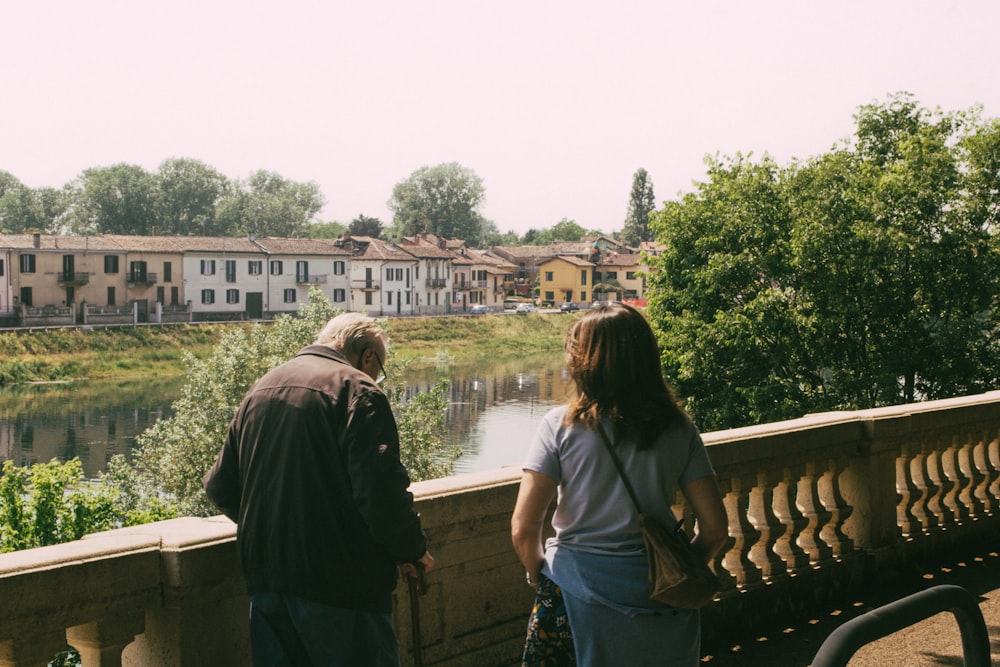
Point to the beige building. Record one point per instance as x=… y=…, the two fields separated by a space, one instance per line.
x=59 y=273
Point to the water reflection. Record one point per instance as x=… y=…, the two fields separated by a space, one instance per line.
x=92 y=421
x=494 y=408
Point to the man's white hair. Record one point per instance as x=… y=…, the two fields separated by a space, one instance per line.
x=352 y=333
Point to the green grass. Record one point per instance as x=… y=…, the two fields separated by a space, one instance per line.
x=133 y=352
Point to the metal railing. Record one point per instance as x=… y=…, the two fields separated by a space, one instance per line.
x=843 y=642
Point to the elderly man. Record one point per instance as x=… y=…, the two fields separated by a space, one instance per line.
x=310 y=472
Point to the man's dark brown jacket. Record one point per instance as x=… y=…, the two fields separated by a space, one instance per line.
x=310 y=472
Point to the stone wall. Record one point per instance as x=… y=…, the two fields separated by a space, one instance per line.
x=817 y=507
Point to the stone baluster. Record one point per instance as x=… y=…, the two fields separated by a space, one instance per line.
x=941 y=505
x=760 y=513
x=786 y=510
x=32 y=649
x=101 y=642
x=968 y=477
x=817 y=516
x=991 y=466
x=909 y=523
x=832 y=533
x=742 y=532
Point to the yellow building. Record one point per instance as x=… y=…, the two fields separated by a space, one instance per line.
x=563 y=279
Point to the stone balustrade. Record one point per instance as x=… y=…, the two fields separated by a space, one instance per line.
x=817 y=507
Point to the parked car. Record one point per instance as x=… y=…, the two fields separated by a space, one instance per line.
x=479 y=309
x=569 y=307
x=525 y=308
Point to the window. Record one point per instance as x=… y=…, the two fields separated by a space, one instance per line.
x=630 y=275
x=232 y=296
x=548 y=276
x=26 y=296
x=611 y=275
x=1 y=267
x=161 y=294
x=137 y=271
x=407 y=298
x=388 y=298
x=388 y=274
x=111 y=263
x=168 y=273
x=255 y=267
x=111 y=296
x=231 y=272
x=276 y=267
x=208 y=296
x=550 y=296
x=28 y=263
x=583 y=277
x=368 y=298
x=399 y=274
x=339 y=267
x=290 y=296
x=175 y=295
x=208 y=268
x=339 y=296
x=583 y=297
x=302 y=271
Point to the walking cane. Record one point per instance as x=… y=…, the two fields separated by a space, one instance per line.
x=418 y=587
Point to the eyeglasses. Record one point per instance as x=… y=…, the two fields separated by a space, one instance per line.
x=381 y=369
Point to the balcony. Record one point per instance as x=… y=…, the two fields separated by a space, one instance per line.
x=437 y=282
x=311 y=280
x=365 y=285
x=818 y=508
x=140 y=279
x=73 y=278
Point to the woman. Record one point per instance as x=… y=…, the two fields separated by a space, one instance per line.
x=592 y=606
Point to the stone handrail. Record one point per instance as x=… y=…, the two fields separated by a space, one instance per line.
x=816 y=506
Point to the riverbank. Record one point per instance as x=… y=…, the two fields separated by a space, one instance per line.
x=159 y=351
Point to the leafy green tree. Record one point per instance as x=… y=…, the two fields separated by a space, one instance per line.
x=863 y=277
x=564 y=230
x=641 y=203
x=189 y=192
x=50 y=503
x=443 y=200
x=723 y=302
x=364 y=225
x=325 y=230
x=268 y=205
x=121 y=199
x=7 y=182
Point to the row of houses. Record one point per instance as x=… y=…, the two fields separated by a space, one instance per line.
x=106 y=279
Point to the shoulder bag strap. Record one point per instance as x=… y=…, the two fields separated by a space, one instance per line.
x=618 y=465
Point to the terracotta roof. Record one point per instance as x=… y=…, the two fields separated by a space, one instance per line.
x=216 y=244
x=570 y=259
x=373 y=248
x=425 y=250
x=145 y=243
x=282 y=246
x=620 y=259
x=54 y=242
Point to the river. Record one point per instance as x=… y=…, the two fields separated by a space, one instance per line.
x=493 y=411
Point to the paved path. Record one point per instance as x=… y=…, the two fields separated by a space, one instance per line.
x=934 y=642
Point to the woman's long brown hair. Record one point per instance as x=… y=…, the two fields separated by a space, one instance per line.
x=614 y=361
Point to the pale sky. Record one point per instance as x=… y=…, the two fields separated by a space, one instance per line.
x=554 y=104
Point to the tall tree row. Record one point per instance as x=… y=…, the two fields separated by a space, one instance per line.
x=183 y=197
x=863 y=277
